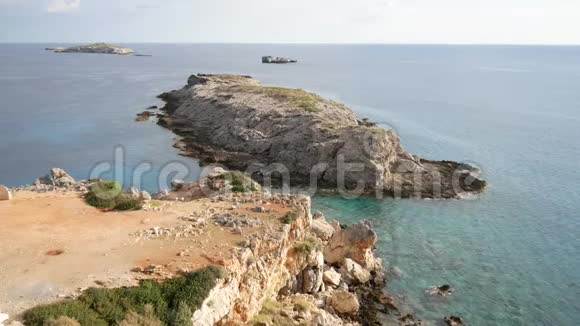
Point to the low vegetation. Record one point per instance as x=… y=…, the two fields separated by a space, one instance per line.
x=277 y=313
x=109 y=195
x=290 y=217
x=294 y=96
x=240 y=182
x=308 y=245
x=151 y=303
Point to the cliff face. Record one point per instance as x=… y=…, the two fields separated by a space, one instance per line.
x=258 y=271
x=235 y=121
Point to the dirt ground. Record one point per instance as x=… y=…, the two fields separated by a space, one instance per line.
x=53 y=245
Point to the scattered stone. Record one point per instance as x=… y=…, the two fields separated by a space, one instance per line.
x=55 y=252
x=259 y=209
x=344 y=302
x=5 y=193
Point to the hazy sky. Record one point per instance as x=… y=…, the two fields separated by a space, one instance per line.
x=326 y=21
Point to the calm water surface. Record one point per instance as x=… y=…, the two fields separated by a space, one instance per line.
x=513 y=255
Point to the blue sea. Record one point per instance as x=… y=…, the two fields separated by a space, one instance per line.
x=512 y=255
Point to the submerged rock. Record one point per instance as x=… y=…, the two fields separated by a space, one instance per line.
x=453 y=321
x=235 y=121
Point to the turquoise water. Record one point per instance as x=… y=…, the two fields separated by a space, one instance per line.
x=513 y=254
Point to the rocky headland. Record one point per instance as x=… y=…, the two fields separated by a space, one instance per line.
x=296 y=137
x=282 y=265
x=101 y=48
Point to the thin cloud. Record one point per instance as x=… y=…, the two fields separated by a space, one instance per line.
x=58 y=6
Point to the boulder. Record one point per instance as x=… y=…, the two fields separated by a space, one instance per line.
x=145 y=195
x=57 y=177
x=134 y=193
x=332 y=277
x=355 y=242
x=312 y=275
x=351 y=271
x=177 y=184
x=5 y=193
x=322 y=229
x=344 y=302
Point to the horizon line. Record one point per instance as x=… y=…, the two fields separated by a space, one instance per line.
x=297 y=43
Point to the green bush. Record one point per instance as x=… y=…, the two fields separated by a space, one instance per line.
x=307 y=246
x=182 y=315
x=108 y=195
x=290 y=217
x=240 y=182
x=43 y=315
x=148 y=318
x=168 y=301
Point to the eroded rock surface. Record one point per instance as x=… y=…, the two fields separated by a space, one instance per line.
x=236 y=121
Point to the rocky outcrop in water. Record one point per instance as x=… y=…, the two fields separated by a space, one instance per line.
x=270 y=59
x=299 y=138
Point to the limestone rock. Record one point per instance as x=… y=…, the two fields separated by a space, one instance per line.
x=145 y=195
x=344 y=302
x=5 y=193
x=235 y=121
x=332 y=277
x=57 y=177
x=454 y=321
x=350 y=270
x=3 y=318
x=322 y=229
x=355 y=242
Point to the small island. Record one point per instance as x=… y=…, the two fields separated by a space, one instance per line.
x=101 y=48
x=270 y=59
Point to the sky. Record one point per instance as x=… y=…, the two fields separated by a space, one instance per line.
x=295 y=21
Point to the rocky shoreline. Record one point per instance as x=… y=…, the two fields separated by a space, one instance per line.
x=289 y=136
x=309 y=268
x=100 y=48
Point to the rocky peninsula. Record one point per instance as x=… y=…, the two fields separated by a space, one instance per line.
x=299 y=138
x=101 y=48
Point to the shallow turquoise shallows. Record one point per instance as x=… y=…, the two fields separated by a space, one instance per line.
x=512 y=255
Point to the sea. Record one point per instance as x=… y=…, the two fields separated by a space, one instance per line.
x=511 y=254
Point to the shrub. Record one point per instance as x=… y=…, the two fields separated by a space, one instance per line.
x=63 y=321
x=307 y=246
x=182 y=315
x=240 y=182
x=43 y=315
x=126 y=203
x=290 y=217
x=148 y=318
x=302 y=305
x=108 y=195
x=150 y=304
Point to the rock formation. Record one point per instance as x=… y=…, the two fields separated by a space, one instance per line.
x=299 y=138
x=57 y=177
x=270 y=59
x=102 y=48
